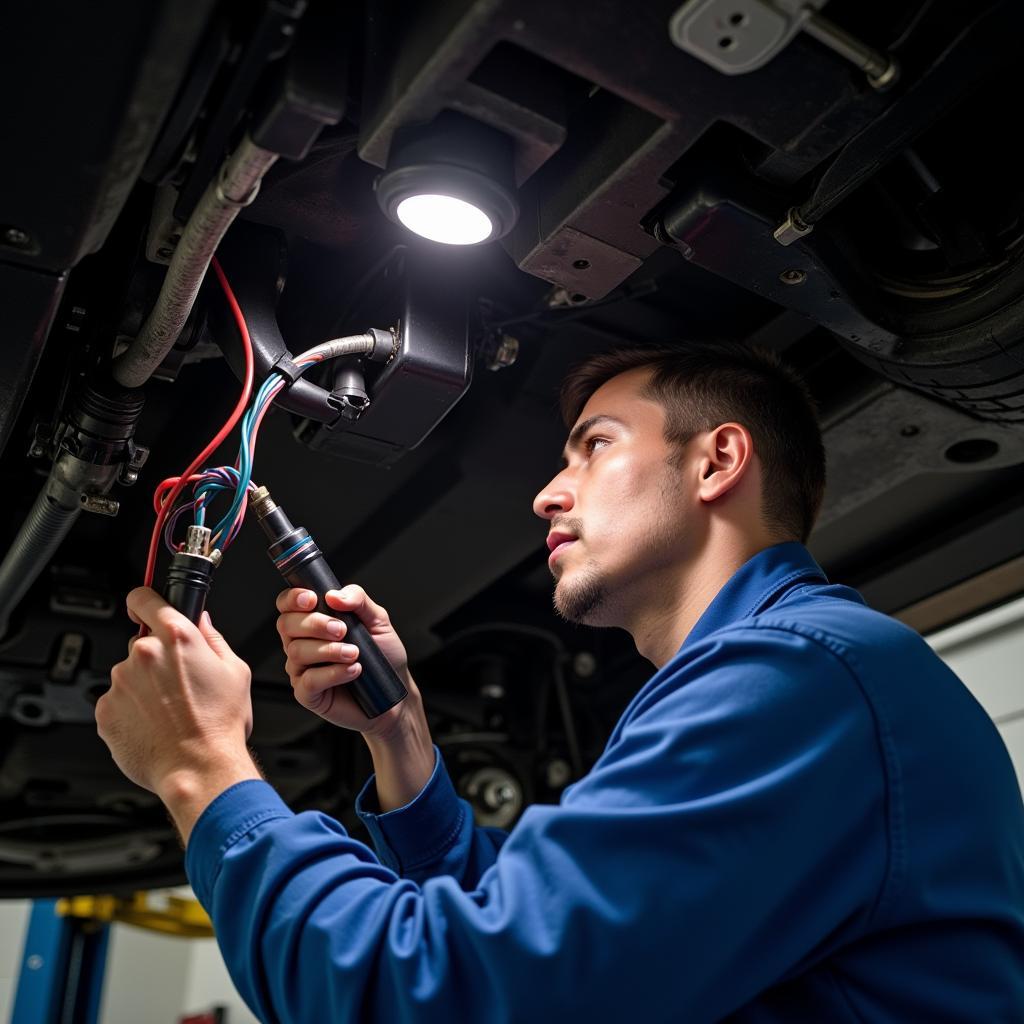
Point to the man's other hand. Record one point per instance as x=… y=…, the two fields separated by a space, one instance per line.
x=320 y=661
x=179 y=705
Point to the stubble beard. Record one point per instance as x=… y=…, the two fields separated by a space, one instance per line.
x=580 y=601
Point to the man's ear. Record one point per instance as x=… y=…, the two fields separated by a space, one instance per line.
x=726 y=456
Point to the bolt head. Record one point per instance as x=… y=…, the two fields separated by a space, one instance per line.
x=793 y=276
x=505 y=354
x=558 y=773
x=584 y=664
x=15 y=236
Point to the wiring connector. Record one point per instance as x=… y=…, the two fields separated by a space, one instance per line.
x=191 y=574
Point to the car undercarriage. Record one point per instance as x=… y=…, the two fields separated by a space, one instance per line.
x=844 y=194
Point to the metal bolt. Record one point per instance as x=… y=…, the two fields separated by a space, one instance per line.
x=506 y=353
x=792 y=228
x=584 y=664
x=793 y=277
x=889 y=76
x=99 y=504
x=557 y=773
x=15 y=236
x=128 y=477
x=498 y=794
x=36 y=451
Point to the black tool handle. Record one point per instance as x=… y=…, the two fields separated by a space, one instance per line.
x=188 y=583
x=377 y=687
x=302 y=564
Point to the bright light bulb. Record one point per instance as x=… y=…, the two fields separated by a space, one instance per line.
x=445 y=219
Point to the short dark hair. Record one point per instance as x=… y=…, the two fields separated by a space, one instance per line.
x=703 y=386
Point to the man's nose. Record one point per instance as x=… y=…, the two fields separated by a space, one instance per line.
x=555 y=499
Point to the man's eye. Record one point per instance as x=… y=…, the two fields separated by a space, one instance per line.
x=593 y=442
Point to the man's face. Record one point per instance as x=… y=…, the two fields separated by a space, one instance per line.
x=618 y=510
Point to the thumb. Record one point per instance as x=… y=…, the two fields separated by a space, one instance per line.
x=217 y=643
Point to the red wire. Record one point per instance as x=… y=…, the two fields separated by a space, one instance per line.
x=160 y=494
x=178 y=484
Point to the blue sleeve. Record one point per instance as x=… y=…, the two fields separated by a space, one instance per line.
x=432 y=835
x=733 y=831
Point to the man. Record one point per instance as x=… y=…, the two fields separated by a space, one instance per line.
x=802 y=816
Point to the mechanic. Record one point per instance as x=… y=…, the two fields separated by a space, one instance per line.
x=802 y=816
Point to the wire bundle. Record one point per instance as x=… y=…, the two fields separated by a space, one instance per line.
x=210 y=483
x=167 y=492
x=236 y=480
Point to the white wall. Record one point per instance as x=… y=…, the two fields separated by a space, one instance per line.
x=145 y=976
x=209 y=984
x=987 y=653
x=13 y=926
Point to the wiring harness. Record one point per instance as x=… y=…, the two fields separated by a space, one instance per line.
x=210 y=483
x=292 y=550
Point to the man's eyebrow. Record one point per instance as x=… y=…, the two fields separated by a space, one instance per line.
x=581 y=429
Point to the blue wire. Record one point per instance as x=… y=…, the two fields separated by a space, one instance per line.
x=244 y=470
x=227 y=478
x=297 y=544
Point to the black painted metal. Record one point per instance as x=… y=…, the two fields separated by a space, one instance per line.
x=64 y=189
x=254 y=261
x=421 y=295
x=29 y=299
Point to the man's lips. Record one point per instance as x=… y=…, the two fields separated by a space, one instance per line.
x=558 y=542
x=556 y=537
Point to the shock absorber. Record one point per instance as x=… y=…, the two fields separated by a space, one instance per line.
x=296 y=556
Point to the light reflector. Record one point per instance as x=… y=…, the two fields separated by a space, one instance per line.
x=444 y=219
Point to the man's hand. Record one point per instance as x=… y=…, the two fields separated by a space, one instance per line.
x=320 y=663
x=178 y=712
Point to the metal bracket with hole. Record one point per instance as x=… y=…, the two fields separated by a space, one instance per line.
x=739 y=36
x=100 y=504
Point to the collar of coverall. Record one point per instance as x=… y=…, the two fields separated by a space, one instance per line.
x=756 y=586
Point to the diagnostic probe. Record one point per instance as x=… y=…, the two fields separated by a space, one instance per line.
x=302 y=564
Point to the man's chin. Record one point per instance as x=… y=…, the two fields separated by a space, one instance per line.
x=580 y=600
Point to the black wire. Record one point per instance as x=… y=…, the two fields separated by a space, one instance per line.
x=912 y=25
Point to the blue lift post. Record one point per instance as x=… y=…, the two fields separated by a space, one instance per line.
x=61 y=977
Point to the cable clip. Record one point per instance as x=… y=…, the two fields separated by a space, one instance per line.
x=288 y=369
